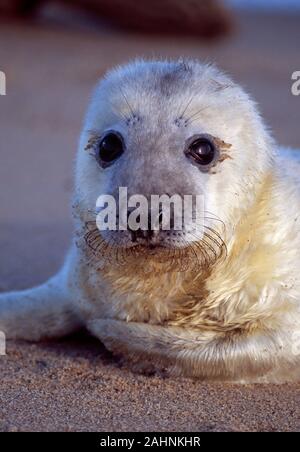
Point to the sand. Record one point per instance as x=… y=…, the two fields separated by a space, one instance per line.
x=74 y=384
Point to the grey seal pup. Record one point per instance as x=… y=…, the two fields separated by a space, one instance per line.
x=223 y=304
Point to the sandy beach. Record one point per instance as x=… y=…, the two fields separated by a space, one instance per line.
x=75 y=384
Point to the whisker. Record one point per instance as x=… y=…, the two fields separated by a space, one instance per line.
x=188 y=120
x=222 y=243
x=127 y=102
x=118 y=113
x=200 y=253
x=187 y=106
x=210 y=247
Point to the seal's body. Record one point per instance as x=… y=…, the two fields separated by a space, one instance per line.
x=223 y=305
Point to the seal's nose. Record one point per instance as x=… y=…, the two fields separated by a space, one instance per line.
x=147 y=232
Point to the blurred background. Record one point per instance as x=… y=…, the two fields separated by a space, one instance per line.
x=53 y=53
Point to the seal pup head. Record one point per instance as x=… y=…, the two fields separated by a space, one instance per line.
x=176 y=128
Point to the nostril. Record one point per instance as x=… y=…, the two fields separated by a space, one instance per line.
x=135 y=233
x=160 y=218
x=155 y=221
x=149 y=223
x=140 y=234
x=153 y=226
x=164 y=222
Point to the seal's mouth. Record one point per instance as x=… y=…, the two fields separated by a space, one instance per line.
x=153 y=249
x=151 y=245
x=150 y=254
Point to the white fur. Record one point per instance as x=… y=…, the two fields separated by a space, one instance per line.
x=240 y=320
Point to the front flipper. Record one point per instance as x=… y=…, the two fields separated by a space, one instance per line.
x=42 y=312
x=202 y=354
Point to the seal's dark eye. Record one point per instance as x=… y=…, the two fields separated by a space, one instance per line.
x=110 y=148
x=202 y=151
